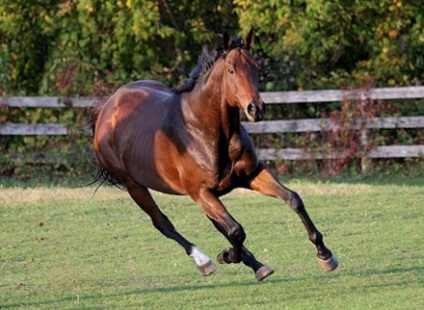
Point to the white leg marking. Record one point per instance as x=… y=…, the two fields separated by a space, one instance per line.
x=199 y=257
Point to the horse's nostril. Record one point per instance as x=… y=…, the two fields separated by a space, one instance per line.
x=251 y=109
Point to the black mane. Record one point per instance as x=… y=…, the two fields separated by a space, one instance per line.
x=204 y=65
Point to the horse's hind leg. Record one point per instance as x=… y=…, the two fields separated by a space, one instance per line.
x=267 y=184
x=143 y=198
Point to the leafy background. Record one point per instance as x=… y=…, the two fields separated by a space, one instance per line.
x=91 y=47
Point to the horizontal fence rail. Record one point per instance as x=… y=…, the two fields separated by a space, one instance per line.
x=47 y=102
x=34 y=130
x=311 y=96
x=307 y=125
x=391 y=151
x=289 y=97
x=265 y=127
x=282 y=126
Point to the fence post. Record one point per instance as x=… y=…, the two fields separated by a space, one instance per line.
x=365 y=160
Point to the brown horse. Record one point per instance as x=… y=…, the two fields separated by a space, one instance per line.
x=189 y=141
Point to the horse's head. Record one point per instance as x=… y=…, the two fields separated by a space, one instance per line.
x=240 y=78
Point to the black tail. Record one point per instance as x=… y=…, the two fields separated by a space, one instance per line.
x=103 y=177
x=95 y=111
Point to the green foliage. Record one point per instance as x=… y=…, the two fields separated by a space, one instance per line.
x=64 y=47
x=91 y=47
x=24 y=37
x=341 y=43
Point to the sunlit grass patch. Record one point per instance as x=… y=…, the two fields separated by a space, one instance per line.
x=62 y=248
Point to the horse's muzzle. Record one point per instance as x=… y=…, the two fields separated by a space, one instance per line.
x=255 y=111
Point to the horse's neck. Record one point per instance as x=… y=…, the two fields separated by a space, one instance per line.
x=205 y=108
x=209 y=109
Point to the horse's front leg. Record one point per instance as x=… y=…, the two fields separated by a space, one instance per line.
x=225 y=223
x=261 y=271
x=234 y=233
x=266 y=183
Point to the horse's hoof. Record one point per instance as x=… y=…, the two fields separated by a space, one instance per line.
x=328 y=264
x=206 y=269
x=223 y=258
x=263 y=272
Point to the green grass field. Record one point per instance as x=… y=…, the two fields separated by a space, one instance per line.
x=62 y=248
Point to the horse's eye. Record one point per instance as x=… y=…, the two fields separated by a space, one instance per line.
x=231 y=70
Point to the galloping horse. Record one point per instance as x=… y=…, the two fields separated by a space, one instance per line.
x=189 y=141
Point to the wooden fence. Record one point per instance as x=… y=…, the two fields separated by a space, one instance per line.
x=273 y=126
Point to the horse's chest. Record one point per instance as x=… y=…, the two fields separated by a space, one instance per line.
x=215 y=160
x=224 y=168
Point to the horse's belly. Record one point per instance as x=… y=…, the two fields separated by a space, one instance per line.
x=162 y=187
x=145 y=168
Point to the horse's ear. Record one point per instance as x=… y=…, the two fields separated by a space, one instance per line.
x=250 y=39
x=227 y=40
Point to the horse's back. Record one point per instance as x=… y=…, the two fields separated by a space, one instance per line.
x=131 y=97
x=147 y=85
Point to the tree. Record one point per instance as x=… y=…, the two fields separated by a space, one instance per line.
x=69 y=47
x=343 y=42
x=76 y=47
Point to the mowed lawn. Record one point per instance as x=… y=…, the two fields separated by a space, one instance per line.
x=63 y=248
